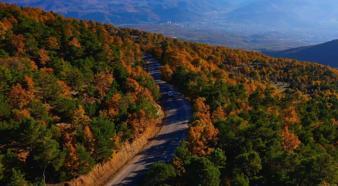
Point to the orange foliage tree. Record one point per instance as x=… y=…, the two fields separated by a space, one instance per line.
x=290 y=140
x=202 y=133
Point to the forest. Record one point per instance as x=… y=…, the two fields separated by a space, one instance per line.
x=257 y=120
x=72 y=91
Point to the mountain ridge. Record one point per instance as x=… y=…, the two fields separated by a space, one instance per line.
x=324 y=53
x=291 y=19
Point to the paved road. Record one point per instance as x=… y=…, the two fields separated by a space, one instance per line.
x=162 y=147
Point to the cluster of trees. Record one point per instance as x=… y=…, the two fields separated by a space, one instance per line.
x=257 y=120
x=70 y=93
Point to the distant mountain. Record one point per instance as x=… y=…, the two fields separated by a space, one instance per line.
x=73 y=93
x=269 y=40
x=290 y=22
x=270 y=13
x=129 y=11
x=326 y=53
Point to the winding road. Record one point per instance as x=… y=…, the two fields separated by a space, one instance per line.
x=178 y=112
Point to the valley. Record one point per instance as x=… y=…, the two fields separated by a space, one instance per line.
x=246 y=24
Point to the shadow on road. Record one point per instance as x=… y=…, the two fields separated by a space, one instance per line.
x=161 y=152
x=162 y=147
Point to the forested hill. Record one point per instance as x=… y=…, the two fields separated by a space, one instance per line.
x=257 y=120
x=72 y=91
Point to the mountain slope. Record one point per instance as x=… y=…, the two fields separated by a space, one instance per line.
x=71 y=91
x=326 y=53
x=128 y=11
x=257 y=120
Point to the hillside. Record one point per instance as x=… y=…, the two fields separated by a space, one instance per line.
x=325 y=53
x=257 y=120
x=71 y=91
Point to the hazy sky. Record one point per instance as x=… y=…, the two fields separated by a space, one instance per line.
x=312 y=16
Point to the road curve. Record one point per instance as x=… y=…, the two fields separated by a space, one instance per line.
x=178 y=112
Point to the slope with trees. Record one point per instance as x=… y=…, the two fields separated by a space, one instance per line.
x=71 y=92
x=257 y=120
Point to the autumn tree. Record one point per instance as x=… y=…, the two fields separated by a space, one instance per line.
x=43 y=56
x=290 y=140
x=18 y=44
x=166 y=72
x=19 y=97
x=103 y=83
x=202 y=133
x=53 y=43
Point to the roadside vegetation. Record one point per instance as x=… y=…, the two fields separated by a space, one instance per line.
x=72 y=91
x=257 y=120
